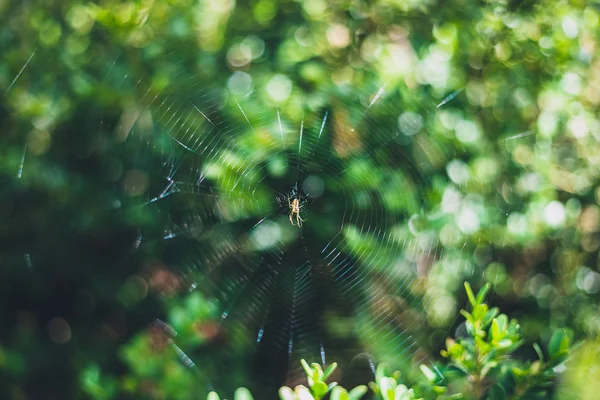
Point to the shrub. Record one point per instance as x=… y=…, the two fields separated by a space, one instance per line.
x=479 y=365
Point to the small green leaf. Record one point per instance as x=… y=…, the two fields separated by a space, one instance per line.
x=319 y=389
x=358 y=392
x=339 y=393
x=374 y=387
x=559 y=344
x=554 y=345
x=482 y=293
x=489 y=316
x=329 y=370
x=317 y=372
x=286 y=393
x=307 y=369
x=381 y=371
x=439 y=389
x=539 y=352
x=470 y=294
x=479 y=312
x=303 y=393
x=213 y=396
x=401 y=392
x=470 y=328
x=502 y=321
x=429 y=374
x=495 y=330
x=387 y=386
x=242 y=393
x=487 y=367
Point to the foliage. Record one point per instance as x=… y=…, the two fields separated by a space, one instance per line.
x=483 y=362
x=506 y=94
x=388 y=387
x=581 y=375
x=158 y=367
x=240 y=394
x=317 y=388
x=479 y=366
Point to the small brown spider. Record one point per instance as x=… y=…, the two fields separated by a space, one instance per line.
x=295 y=211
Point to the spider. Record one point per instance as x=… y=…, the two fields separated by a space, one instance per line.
x=293 y=202
x=295 y=211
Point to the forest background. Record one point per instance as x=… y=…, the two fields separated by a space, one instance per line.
x=444 y=142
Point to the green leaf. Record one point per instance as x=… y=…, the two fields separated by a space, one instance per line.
x=286 y=393
x=358 y=392
x=480 y=311
x=482 y=293
x=505 y=343
x=374 y=387
x=539 y=352
x=455 y=350
x=489 y=316
x=317 y=372
x=439 y=389
x=213 y=396
x=502 y=321
x=487 y=367
x=429 y=374
x=329 y=370
x=307 y=369
x=339 y=393
x=380 y=372
x=466 y=314
x=495 y=330
x=319 y=389
x=559 y=344
x=387 y=386
x=401 y=392
x=242 y=393
x=303 y=393
x=470 y=294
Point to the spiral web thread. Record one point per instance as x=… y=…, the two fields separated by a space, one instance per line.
x=220 y=178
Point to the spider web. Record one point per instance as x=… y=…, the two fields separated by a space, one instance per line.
x=378 y=169
x=221 y=169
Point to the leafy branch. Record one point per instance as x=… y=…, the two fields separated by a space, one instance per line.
x=481 y=365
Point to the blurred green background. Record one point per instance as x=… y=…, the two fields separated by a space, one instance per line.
x=465 y=135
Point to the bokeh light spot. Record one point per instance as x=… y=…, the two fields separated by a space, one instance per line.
x=59 y=330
